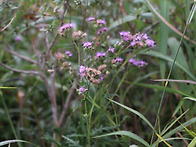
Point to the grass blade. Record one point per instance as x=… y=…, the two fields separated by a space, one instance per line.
x=179 y=128
x=167 y=58
x=164 y=5
x=2 y=143
x=133 y=111
x=166 y=22
x=192 y=143
x=160 y=88
x=163 y=140
x=126 y=133
x=190 y=98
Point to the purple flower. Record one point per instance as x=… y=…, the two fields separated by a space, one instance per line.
x=101 y=77
x=68 y=53
x=101 y=22
x=138 y=37
x=137 y=63
x=87 y=45
x=126 y=39
x=66 y=26
x=124 y=33
x=133 y=43
x=103 y=54
x=82 y=70
x=81 y=90
x=131 y=60
x=142 y=63
x=18 y=38
x=145 y=36
x=150 y=43
x=91 y=19
x=111 y=50
x=118 y=59
x=100 y=54
x=102 y=30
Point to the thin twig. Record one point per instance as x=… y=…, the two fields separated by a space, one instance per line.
x=53 y=98
x=19 y=71
x=20 y=56
x=9 y=23
x=66 y=105
x=56 y=35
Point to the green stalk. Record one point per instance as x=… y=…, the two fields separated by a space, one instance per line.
x=164 y=5
x=87 y=122
x=78 y=50
x=168 y=77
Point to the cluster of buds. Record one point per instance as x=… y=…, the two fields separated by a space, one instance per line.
x=65 y=28
x=102 y=30
x=61 y=56
x=81 y=90
x=139 y=63
x=88 y=45
x=100 y=54
x=117 y=60
x=94 y=75
x=139 y=39
x=78 y=35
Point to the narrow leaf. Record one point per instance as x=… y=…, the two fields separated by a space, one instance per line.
x=126 y=133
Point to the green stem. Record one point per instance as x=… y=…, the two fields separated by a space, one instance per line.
x=78 y=50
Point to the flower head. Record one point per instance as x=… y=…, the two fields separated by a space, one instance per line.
x=137 y=63
x=150 y=43
x=68 y=53
x=78 y=35
x=100 y=31
x=82 y=70
x=145 y=36
x=81 y=90
x=101 y=22
x=65 y=27
x=87 y=45
x=59 y=56
x=91 y=19
x=124 y=33
x=117 y=60
x=133 y=43
x=18 y=38
x=111 y=50
x=100 y=54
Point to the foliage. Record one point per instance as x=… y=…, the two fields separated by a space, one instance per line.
x=88 y=73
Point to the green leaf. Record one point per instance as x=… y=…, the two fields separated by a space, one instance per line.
x=133 y=111
x=164 y=31
x=160 y=88
x=190 y=98
x=179 y=128
x=126 y=133
x=192 y=143
x=169 y=59
x=2 y=143
x=121 y=21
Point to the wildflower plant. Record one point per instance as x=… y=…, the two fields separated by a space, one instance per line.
x=99 y=62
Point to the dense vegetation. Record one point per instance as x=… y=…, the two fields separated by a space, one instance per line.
x=97 y=73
